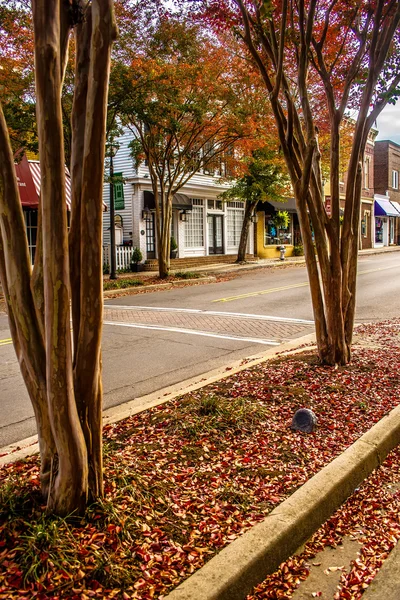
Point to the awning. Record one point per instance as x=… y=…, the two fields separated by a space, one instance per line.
x=179 y=201
x=29 y=181
x=182 y=202
x=28 y=192
x=289 y=205
x=396 y=205
x=385 y=208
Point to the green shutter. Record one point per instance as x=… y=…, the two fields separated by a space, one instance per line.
x=118 y=193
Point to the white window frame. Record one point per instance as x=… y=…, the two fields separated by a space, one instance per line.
x=235 y=216
x=194 y=226
x=395 y=179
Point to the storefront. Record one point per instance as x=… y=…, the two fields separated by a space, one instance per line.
x=278 y=225
x=386 y=222
x=200 y=227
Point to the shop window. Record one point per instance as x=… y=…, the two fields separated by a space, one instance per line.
x=378 y=230
x=234 y=226
x=194 y=231
x=276 y=233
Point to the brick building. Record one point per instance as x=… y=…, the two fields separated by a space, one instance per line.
x=387 y=192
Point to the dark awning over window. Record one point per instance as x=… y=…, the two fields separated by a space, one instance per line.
x=289 y=205
x=179 y=201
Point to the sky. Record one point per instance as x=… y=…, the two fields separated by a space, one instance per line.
x=388 y=123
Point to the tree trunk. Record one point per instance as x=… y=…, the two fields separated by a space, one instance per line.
x=15 y=273
x=70 y=472
x=244 y=235
x=87 y=382
x=164 y=218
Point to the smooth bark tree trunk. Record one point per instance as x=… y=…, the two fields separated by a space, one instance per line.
x=244 y=234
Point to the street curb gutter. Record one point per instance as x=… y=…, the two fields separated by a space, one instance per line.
x=232 y=573
x=28 y=446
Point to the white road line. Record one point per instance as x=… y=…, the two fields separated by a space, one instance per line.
x=194 y=332
x=212 y=312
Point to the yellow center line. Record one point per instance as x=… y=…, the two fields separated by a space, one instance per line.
x=5 y=342
x=262 y=292
x=374 y=270
x=287 y=287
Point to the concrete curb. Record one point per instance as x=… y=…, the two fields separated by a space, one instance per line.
x=249 y=559
x=29 y=446
x=386 y=584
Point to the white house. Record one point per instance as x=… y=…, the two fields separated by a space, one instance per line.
x=202 y=224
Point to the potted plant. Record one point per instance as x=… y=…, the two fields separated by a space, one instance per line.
x=173 y=248
x=136 y=257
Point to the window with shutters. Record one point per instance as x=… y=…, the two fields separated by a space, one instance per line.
x=119 y=202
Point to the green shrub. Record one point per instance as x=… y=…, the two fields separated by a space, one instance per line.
x=187 y=275
x=298 y=250
x=118 y=284
x=136 y=256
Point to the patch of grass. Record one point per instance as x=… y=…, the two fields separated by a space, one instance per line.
x=187 y=275
x=118 y=284
x=209 y=413
x=15 y=498
x=47 y=543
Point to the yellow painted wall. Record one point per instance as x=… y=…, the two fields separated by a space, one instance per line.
x=268 y=251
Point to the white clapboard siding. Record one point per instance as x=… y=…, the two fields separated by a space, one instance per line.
x=123 y=163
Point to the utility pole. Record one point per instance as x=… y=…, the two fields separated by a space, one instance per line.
x=113 y=274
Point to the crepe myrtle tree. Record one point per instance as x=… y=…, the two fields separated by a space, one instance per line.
x=63 y=381
x=188 y=105
x=319 y=59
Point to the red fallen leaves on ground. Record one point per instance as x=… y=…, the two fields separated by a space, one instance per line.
x=184 y=479
x=371 y=516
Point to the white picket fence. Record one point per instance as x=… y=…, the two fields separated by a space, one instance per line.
x=123 y=256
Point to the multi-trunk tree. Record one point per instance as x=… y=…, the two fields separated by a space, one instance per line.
x=63 y=378
x=188 y=105
x=319 y=59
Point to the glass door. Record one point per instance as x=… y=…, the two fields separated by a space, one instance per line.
x=215 y=234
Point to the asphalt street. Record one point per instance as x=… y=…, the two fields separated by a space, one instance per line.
x=152 y=340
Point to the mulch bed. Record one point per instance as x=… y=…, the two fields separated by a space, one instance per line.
x=184 y=479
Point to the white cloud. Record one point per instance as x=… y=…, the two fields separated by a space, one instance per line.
x=388 y=123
